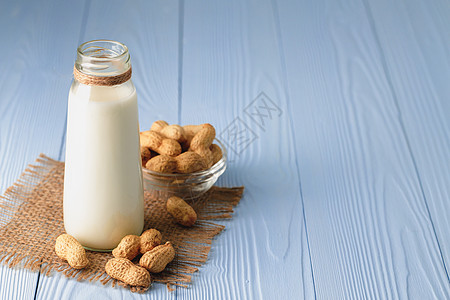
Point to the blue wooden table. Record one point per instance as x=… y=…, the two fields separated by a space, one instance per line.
x=336 y=115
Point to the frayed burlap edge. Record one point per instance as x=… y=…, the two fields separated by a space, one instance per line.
x=192 y=244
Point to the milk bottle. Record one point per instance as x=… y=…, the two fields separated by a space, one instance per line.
x=103 y=192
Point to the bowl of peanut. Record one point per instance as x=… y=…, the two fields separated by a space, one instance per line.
x=183 y=161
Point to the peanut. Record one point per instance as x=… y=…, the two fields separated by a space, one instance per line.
x=149 y=240
x=157 y=259
x=68 y=248
x=146 y=154
x=207 y=156
x=156 y=142
x=162 y=164
x=204 y=137
x=174 y=132
x=201 y=142
x=158 y=125
x=124 y=270
x=128 y=247
x=216 y=153
x=187 y=162
x=190 y=131
x=182 y=212
x=191 y=138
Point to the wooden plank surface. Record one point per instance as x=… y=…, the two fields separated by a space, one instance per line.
x=230 y=58
x=17 y=284
x=335 y=115
x=369 y=231
x=38 y=39
x=150 y=30
x=415 y=44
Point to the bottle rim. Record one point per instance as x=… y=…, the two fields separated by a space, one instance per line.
x=102 y=58
x=94 y=47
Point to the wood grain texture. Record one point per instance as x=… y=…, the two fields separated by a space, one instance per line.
x=38 y=39
x=150 y=30
x=414 y=40
x=58 y=286
x=229 y=57
x=17 y=284
x=334 y=113
x=369 y=231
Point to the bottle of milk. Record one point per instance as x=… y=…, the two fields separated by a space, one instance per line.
x=103 y=191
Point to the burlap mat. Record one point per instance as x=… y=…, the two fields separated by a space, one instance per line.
x=31 y=218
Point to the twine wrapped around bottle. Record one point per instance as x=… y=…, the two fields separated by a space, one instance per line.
x=31 y=218
x=101 y=80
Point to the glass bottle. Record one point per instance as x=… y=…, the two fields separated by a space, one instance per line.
x=103 y=191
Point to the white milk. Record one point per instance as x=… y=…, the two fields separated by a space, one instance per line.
x=103 y=193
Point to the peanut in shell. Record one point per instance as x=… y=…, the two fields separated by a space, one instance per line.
x=156 y=260
x=149 y=240
x=124 y=270
x=68 y=248
x=128 y=247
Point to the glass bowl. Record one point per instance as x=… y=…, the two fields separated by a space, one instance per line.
x=186 y=186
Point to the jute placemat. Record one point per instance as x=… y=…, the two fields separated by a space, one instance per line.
x=31 y=218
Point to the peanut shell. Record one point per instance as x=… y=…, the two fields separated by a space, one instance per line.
x=158 y=143
x=216 y=153
x=124 y=270
x=68 y=248
x=175 y=132
x=157 y=259
x=149 y=240
x=189 y=162
x=169 y=147
x=207 y=156
x=204 y=137
x=190 y=131
x=158 y=125
x=128 y=247
x=182 y=212
x=162 y=164
x=146 y=154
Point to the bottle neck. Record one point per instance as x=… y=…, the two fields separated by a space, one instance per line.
x=103 y=58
